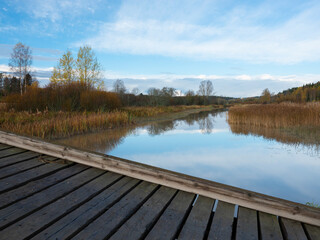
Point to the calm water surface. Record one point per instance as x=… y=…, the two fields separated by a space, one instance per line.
x=281 y=164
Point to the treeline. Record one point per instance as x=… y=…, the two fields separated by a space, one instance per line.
x=76 y=85
x=306 y=93
x=75 y=96
x=11 y=84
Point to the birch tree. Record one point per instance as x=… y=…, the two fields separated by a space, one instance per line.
x=20 y=63
x=88 y=68
x=64 y=72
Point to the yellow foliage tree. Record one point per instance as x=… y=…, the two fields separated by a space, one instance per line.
x=85 y=69
x=88 y=68
x=64 y=72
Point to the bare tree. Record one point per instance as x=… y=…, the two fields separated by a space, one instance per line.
x=20 y=63
x=118 y=87
x=205 y=89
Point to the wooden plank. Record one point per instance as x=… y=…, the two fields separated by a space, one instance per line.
x=292 y=230
x=109 y=221
x=33 y=187
x=70 y=224
x=30 y=175
x=221 y=226
x=10 y=152
x=19 y=167
x=52 y=212
x=4 y=146
x=313 y=232
x=170 y=221
x=269 y=227
x=196 y=224
x=15 y=212
x=141 y=222
x=249 y=199
x=247 y=226
x=11 y=160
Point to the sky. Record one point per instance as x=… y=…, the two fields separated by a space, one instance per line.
x=243 y=47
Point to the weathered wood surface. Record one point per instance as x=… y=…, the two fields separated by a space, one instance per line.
x=75 y=221
x=247 y=226
x=293 y=230
x=313 y=232
x=73 y=201
x=248 y=199
x=19 y=167
x=10 y=160
x=4 y=146
x=269 y=227
x=142 y=221
x=196 y=224
x=221 y=227
x=171 y=220
x=38 y=185
x=10 y=152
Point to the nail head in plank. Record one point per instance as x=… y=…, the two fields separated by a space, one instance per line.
x=269 y=226
x=222 y=222
x=109 y=221
x=292 y=230
x=247 y=225
x=170 y=221
x=197 y=221
x=144 y=218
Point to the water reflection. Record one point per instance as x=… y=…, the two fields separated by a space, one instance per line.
x=106 y=141
x=308 y=137
x=269 y=161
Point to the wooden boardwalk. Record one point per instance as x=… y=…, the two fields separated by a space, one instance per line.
x=45 y=197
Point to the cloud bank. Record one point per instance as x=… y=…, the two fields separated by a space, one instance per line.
x=256 y=34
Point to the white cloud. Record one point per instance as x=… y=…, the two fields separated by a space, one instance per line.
x=241 y=33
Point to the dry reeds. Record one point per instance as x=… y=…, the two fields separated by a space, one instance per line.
x=60 y=124
x=281 y=115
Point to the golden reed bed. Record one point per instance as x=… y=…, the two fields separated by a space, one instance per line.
x=281 y=115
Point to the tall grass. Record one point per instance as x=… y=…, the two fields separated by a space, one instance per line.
x=281 y=115
x=60 y=124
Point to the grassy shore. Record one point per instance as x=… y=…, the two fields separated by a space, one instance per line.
x=281 y=115
x=63 y=124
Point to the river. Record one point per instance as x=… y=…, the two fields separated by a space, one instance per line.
x=272 y=162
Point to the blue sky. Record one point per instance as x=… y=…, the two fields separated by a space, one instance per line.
x=241 y=46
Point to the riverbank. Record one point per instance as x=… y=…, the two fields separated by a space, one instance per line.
x=53 y=125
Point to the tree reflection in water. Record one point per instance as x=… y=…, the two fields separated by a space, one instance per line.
x=300 y=136
x=106 y=141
